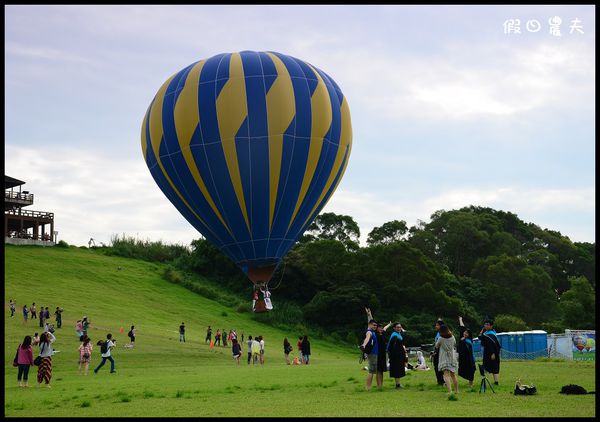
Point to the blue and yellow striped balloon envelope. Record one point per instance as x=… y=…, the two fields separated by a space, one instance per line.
x=249 y=147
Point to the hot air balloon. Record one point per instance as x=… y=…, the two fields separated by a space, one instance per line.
x=249 y=147
x=579 y=342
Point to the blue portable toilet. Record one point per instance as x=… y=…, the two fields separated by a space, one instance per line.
x=536 y=343
x=520 y=343
x=476 y=345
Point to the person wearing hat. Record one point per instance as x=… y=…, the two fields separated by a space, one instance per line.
x=491 y=349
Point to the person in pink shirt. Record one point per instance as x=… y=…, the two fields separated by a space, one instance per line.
x=24 y=360
x=85 y=354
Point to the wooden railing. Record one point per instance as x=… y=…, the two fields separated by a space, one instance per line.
x=29 y=213
x=26 y=197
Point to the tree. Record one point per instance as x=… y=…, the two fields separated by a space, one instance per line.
x=506 y=322
x=389 y=232
x=331 y=226
x=578 y=305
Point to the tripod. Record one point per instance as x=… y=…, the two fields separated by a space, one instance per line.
x=482 y=387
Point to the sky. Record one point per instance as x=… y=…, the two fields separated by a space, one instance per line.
x=451 y=106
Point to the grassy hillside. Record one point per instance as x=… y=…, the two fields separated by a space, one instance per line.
x=163 y=377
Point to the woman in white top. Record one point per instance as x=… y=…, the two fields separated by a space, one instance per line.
x=45 y=368
x=448 y=358
x=421 y=364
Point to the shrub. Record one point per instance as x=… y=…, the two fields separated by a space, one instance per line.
x=62 y=244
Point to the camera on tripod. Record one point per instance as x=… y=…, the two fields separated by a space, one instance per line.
x=484 y=380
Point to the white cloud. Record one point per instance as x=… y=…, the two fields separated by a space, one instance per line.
x=94 y=195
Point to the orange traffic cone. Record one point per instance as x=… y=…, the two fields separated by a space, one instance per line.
x=121 y=330
x=212 y=344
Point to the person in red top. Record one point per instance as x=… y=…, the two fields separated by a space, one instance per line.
x=24 y=360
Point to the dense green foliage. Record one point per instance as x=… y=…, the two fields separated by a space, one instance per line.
x=475 y=262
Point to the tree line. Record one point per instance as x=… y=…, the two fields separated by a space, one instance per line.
x=475 y=262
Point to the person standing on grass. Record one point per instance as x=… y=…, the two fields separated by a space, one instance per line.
x=85 y=324
x=466 y=355
x=261 y=341
x=305 y=350
x=41 y=318
x=58 y=315
x=439 y=375
x=79 y=328
x=24 y=360
x=299 y=346
x=255 y=347
x=12 y=306
x=131 y=335
x=218 y=337
x=182 y=332
x=448 y=362
x=85 y=354
x=33 y=311
x=249 y=343
x=105 y=348
x=208 y=338
x=25 y=314
x=236 y=349
x=287 y=349
x=224 y=337
x=45 y=369
x=491 y=349
x=46 y=315
x=397 y=354
x=370 y=350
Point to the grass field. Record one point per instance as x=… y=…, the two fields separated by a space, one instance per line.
x=163 y=377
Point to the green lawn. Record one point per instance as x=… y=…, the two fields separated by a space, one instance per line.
x=163 y=377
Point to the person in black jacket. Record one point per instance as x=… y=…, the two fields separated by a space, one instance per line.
x=305 y=350
x=466 y=357
x=397 y=354
x=491 y=349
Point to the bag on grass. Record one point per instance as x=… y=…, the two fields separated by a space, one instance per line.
x=524 y=390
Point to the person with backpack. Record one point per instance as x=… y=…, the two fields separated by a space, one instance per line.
x=24 y=359
x=182 y=332
x=208 y=338
x=131 y=335
x=85 y=354
x=370 y=350
x=218 y=337
x=12 y=307
x=105 y=348
x=33 y=311
x=224 y=337
x=45 y=358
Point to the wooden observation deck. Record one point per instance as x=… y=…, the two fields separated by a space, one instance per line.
x=21 y=225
